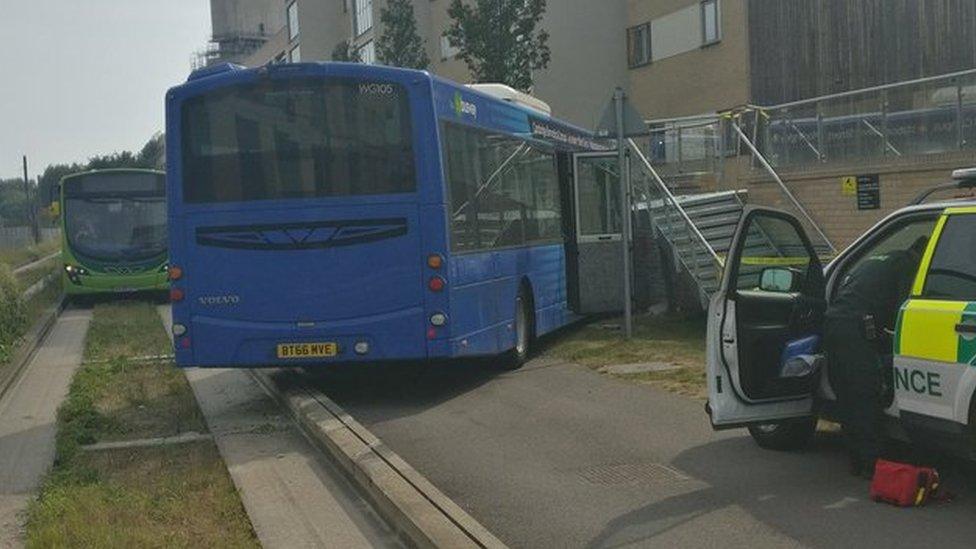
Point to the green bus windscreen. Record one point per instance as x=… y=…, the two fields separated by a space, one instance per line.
x=116 y=216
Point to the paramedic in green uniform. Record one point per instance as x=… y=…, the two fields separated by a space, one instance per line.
x=859 y=320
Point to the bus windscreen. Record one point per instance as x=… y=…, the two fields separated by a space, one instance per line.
x=297 y=138
x=118 y=217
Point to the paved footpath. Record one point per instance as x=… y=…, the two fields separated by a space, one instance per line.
x=27 y=419
x=294 y=496
x=556 y=455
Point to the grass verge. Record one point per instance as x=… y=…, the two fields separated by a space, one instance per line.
x=15 y=257
x=26 y=279
x=126 y=329
x=673 y=340
x=179 y=495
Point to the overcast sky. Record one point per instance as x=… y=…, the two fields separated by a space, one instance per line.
x=86 y=77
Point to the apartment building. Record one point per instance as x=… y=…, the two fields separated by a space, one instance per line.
x=587 y=41
x=676 y=57
x=687 y=57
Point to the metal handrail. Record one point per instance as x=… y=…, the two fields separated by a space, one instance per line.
x=667 y=192
x=702 y=118
x=881 y=134
x=786 y=190
x=803 y=136
x=872 y=89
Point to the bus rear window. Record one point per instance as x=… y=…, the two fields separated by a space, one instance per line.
x=297 y=139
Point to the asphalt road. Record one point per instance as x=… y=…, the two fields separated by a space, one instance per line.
x=555 y=455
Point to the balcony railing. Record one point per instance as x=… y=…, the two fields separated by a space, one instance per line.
x=923 y=116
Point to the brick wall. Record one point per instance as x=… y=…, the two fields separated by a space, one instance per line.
x=819 y=188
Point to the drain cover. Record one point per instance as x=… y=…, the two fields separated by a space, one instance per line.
x=632 y=473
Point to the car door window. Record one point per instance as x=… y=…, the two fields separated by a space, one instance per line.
x=898 y=237
x=770 y=242
x=952 y=271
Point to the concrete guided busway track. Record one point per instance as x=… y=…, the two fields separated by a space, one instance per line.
x=28 y=410
x=320 y=489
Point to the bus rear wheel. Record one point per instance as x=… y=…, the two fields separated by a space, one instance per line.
x=524 y=329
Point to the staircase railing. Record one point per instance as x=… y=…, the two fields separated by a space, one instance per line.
x=779 y=181
x=673 y=222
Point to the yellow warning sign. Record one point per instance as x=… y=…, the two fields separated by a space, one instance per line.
x=849 y=185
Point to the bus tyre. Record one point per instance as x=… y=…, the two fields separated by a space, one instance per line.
x=523 y=328
x=788 y=435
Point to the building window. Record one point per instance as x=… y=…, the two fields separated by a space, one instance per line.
x=711 y=23
x=367 y=53
x=639 y=45
x=296 y=54
x=292 y=20
x=447 y=50
x=364 y=16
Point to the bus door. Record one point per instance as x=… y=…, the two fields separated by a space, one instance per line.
x=598 y=260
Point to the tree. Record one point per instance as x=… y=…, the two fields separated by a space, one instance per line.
x=399 y=45
x=153 y=153
x=500 y=40
x=345 y=52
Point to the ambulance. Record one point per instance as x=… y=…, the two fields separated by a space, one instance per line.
x=765 y=368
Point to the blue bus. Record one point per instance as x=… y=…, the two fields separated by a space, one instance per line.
x=340 y=212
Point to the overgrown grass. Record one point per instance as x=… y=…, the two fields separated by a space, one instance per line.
x=126 y=329
x=179 y=496
x=15 y=257
x=26 y=279
x=668 y=339
x=150 y=497
x=13 y=314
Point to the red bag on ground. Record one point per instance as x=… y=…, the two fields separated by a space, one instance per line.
x=903 y=484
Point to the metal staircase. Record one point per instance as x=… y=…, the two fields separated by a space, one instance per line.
x=697 y=228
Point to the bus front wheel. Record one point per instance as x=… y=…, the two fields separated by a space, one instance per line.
x=523 y=331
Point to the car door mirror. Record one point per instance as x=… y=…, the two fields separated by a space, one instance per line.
x=778 y=279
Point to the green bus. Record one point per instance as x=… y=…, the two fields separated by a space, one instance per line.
x=114 y=237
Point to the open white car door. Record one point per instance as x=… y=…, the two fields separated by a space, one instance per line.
x=772 y=296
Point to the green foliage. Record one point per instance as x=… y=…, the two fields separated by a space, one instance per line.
x=13 y=205
x=399 y=45
x=13 y=211
x=346 y=53
x=13 y=313
x=153 y=153
x=500 y=40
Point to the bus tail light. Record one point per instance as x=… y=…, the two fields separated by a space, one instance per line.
x=179 y=329
x=431 y=333
x=176 y=294
x=436 y=284
x=184 y=343
x=438 y=319
x=361 y=347
x=435 y=261
x=175 y=273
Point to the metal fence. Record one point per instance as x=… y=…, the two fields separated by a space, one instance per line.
x=20 y=237
x=924 y=116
